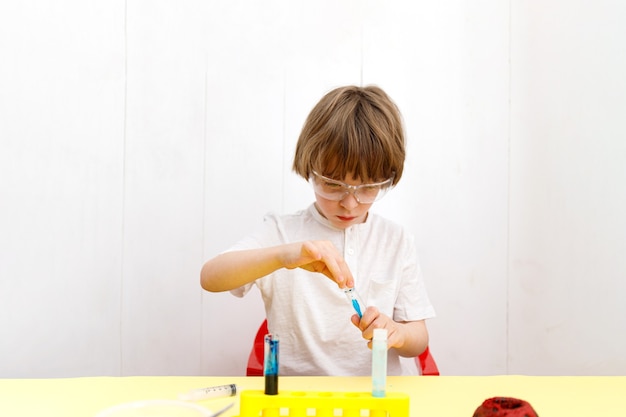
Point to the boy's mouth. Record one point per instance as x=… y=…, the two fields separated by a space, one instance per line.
x=346 y=219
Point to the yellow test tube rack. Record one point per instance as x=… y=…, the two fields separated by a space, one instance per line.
x=322 y=404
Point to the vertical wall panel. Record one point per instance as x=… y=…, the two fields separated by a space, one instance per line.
x=164 y=190
x=568 y=197
x=61 y=133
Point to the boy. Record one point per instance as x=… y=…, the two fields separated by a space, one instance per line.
x=351 y=150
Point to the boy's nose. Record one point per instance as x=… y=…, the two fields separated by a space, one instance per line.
x=349 y=201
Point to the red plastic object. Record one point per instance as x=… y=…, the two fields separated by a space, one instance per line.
x=255 y=361
x=424 y=362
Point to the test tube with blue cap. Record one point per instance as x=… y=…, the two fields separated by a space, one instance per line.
x=355 y=300
x=270 y=365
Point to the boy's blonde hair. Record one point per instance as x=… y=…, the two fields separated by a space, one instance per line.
x=352 y=131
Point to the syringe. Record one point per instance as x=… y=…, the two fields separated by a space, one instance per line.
x=355 y=300
x=218 y=391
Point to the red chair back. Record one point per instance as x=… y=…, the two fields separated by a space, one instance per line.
x=256 y=358
x=424 y=362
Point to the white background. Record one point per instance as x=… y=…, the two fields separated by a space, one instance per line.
x=140 y=138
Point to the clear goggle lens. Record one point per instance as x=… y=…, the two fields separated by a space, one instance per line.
x=336 y=190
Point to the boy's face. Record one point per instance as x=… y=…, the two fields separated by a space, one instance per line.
x=345 y=212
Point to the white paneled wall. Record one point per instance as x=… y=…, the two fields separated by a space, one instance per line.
x=164 y=168
x=567 y=270
x=61 y=187
x=140 y=138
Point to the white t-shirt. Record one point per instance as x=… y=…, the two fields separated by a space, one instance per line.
x=311 y=314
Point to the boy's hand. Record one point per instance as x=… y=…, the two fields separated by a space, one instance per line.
x=319 y=256
x=374 y=319
x=409 y=338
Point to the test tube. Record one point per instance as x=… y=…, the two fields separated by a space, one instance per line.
x=379 y=362
x=355 y=300
x=270 y=366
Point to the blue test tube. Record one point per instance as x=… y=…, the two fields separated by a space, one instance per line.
x=270 y=366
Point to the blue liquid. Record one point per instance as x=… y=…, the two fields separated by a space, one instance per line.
x=357 y=308
x=270 y=365
x=271 y=361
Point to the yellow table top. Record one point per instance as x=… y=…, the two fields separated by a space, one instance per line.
x=430 y=396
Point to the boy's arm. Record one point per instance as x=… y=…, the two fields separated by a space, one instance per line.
x=414 y=338
x=232 y=270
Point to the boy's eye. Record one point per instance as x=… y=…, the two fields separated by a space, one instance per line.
x=333 y=185
x=370 y=190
